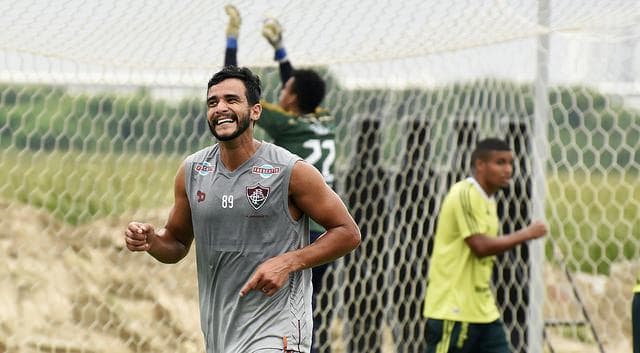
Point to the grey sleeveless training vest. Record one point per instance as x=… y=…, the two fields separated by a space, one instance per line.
x=240 y=219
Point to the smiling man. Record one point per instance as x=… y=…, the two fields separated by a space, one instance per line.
x=462 y=315
x=247 y=204
x=299 y=124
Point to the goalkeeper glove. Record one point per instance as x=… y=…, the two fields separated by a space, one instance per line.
x=233 y=26
x=272 y=31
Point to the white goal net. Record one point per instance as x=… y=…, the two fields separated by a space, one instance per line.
x=100 y=102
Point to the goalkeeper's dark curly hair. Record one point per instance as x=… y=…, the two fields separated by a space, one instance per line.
x=310 y=89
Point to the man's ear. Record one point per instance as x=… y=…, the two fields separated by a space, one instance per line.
x=479 y=165
x=256 y=110
x=295 y=101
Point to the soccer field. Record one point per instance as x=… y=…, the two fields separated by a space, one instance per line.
x=50 y=257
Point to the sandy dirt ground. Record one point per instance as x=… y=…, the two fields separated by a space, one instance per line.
x=77 y=289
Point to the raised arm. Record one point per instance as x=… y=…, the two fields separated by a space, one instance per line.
x=272 y=31
x=309 y=194
x=232 y=32
x=286 y=71
x=171 y=243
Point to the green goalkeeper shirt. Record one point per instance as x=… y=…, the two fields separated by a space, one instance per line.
x=310 y=136
x=458 y=286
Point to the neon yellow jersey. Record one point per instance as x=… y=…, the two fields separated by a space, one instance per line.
x=458 y=286
x=636 y=288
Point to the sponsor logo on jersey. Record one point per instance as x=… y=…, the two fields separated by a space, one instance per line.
x=266 y=170
x=257 y=195
x=203 y=168
x=201 y=196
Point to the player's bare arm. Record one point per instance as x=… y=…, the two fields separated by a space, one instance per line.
x=171 y=243
x=482 y=245
x=309 y=194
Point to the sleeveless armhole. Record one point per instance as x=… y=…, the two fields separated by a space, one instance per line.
x=287 y=183
x=186 y=164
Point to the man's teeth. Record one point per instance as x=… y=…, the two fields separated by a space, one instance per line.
x=223 y=121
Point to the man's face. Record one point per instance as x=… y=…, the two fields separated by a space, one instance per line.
x=287 y=97
x=496 y=170
x=228 y=112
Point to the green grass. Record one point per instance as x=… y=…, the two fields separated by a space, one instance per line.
x=77 y=187
x=592 y=217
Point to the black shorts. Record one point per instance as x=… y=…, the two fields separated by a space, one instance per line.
x=444 y=336
x=635 y=322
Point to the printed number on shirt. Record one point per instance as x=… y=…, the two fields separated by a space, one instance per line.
x=317 y=146
x=227 y=201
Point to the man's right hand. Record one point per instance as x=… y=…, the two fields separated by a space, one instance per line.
x=233 y=26
x=139 y=236
x=537 y=229
x=272 y=32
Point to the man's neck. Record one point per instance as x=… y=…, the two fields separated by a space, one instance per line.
x=295 y=111
x=234 y=153
x=485 y=186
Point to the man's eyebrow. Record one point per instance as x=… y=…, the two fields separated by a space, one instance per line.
x=225 y=96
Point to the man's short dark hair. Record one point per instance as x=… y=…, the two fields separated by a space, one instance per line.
x=486 y=146
x=250 y=80
x=310 y=89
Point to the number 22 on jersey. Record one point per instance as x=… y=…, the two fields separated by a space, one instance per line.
x=317 y=148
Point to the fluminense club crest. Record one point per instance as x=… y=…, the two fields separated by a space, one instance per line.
x=257 y=195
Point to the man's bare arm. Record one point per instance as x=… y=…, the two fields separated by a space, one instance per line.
x=482 y=245
x=171 y=243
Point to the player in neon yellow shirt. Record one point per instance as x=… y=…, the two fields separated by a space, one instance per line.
x=460 y=308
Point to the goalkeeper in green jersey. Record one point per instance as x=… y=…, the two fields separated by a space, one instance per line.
x=462 y=315
x=299 y=125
